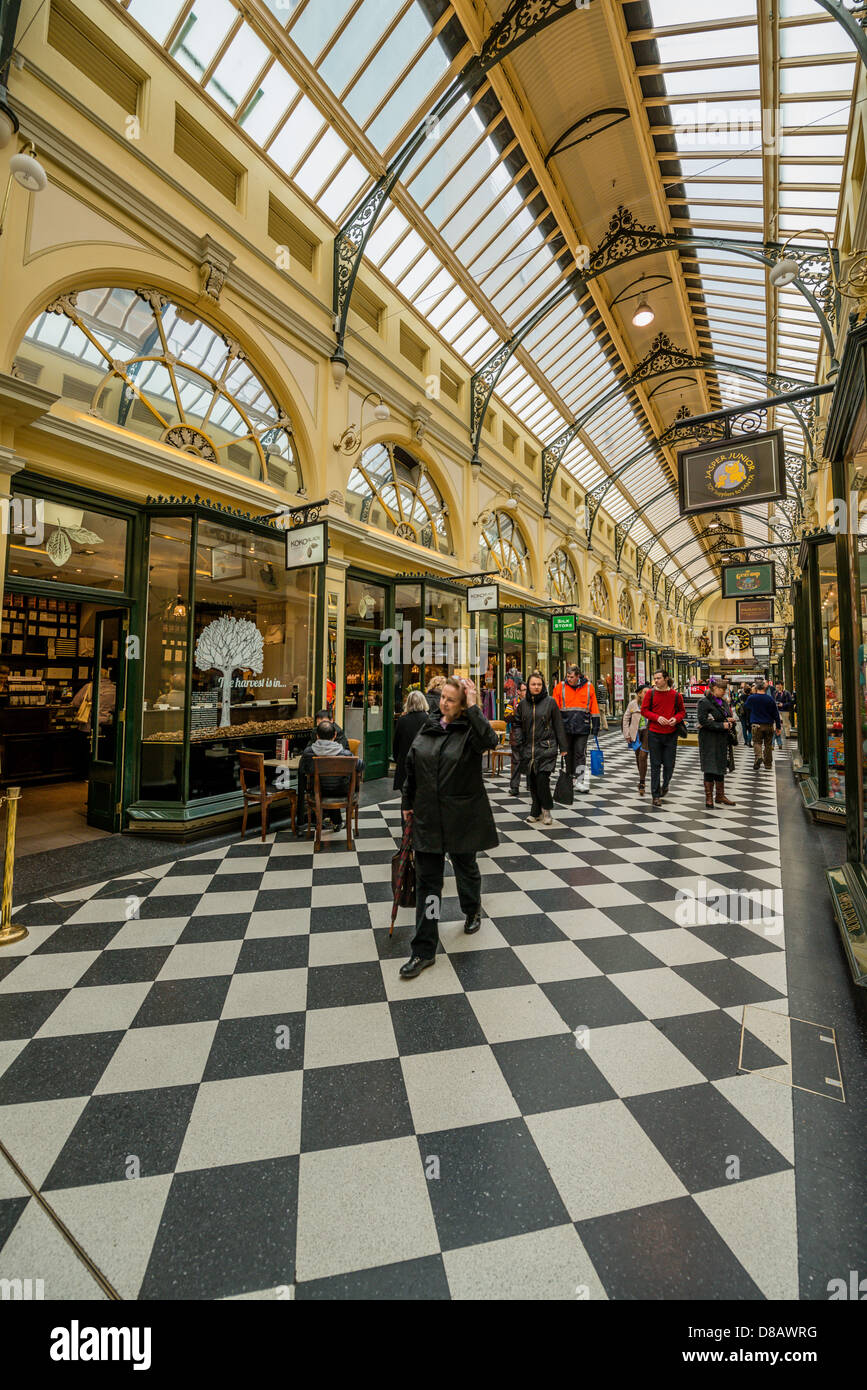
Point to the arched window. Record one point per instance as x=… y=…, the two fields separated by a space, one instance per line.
x=390 y=488
x=644 y=617
x=136 y=359
x=503 y=549
x=562 y=580
x=659 y=628
x=670 y=633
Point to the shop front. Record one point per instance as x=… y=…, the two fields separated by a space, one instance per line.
x=821 y=745
x=145 y=645
x=835 y=617
x=636 y=665
x=612 y=673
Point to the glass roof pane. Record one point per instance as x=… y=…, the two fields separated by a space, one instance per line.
x=156 y=16
x=809 y=40
x=727 y=43
x=244 y=58
x=384 y=63
x=202 y=33
x=268 y=103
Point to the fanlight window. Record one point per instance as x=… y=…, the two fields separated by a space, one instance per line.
x=502 y=549
x=562 y=580
x=136 y=359
x=599 y=599
x=390 y=488
x=644 y=616
x=658 y=628
x=624 y=609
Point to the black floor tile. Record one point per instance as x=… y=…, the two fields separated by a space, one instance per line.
x=273 y=953
x=591 y=1003
x=615 y=954
x=57 y=1068
x=495 y=1184
x=550 y=1074
x=667 y=1251
x=434 y=1024
x=22 y=1015
x=226 y=1231
x=727 y=983
x=532 y=929
x=87 y=936
x=183 y=1001
x=256 y=1046
x=712 y=1042
x=222 y=926
x=149 y=1125
x=339 y=986
x=351 y=917
x=409 y=1280
x=498 y=968
x=126 y=967
x=698 y=1131
x=360 y=1103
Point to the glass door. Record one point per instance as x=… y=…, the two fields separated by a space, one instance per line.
x=364 y=712
x=105 y=777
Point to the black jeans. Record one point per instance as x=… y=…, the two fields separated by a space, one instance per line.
x=429 y=871
x=515 y=778
x=540 y=790
x=663 y=751
x=576 y=751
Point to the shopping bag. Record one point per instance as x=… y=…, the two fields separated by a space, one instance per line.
x=564 y=791
x=597 y=760
x=635 y=745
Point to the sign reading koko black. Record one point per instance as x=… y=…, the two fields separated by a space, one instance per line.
x=732 y=473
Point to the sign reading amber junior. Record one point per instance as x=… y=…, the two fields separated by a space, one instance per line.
x=732 y=473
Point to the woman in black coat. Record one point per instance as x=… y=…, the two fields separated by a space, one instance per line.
x=539 y=737
x=415 y=716
x=715 y=723
x=445 y=791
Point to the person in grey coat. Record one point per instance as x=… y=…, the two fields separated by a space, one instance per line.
x=715 y=723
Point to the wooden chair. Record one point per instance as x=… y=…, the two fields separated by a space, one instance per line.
x=260 y=794
x=496 y=755
x=348 y=801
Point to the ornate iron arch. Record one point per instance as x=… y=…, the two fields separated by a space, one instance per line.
x=522 y=20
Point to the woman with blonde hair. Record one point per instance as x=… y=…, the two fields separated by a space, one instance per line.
x=434 y=687
x=415 y=716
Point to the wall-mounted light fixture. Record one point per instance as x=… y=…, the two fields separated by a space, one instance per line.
x=349 y=442
x=24 y=169
x=486 y=516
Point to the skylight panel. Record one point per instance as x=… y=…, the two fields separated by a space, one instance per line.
x=744 y=77
x=202 y=34
x=809 y=40
x=268 y=103
x=726 y=43
x=245 y=57
x=157 y=17
x=316 y=23
x=343 y=190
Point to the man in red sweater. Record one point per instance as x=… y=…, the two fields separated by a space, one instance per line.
x=663 y=708
x=576 y=700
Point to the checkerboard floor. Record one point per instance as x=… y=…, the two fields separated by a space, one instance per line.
x=214 y=1076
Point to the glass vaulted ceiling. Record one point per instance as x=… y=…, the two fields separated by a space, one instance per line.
x=472 y=195
x=730 y=173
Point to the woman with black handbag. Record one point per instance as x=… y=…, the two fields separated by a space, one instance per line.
x=716 y=736
x=540 y=734
x=445 y=791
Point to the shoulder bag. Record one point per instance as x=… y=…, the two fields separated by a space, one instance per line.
x=564 y=791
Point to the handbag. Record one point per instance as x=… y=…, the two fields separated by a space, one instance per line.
x=597 y=760
x=564 y=791
x=635 y=745
x=682 y=730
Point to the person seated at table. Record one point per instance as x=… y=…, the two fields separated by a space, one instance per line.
x=340 y=736
x=325 y=745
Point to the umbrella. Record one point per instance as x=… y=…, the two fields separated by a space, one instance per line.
x=403 y=873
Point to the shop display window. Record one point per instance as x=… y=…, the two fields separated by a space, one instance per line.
x=408 y=675
x=66 y=543
x=829 y=624
x=537 y=644
x=365 y=605
x=588 y=656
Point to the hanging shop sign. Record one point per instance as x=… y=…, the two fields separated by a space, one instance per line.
x=755 y=610
x=749 y=581
x=636 y=644
x=731 y=473
x=307 y=545
x=484 y=598
x=563 y=622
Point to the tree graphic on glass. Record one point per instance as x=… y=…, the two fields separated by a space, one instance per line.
x=226 y=645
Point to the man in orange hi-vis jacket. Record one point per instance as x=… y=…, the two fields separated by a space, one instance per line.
x=576 y=699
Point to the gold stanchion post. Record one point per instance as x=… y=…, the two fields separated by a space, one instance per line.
x=9 y=931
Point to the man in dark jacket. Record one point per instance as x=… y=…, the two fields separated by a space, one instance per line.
x=325 y=745
x=579 y=708
x=339 y=735
x=445 y=791
x=764 y=718
x=540 y=737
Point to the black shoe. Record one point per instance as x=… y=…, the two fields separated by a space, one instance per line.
x=473 y=922
x=415 y=965
x=657 y=801
x=756 y=767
